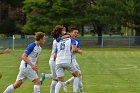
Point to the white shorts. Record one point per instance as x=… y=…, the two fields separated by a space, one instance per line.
x=60 y=68
x=25 y=73
x=75 y=64
x=52 y=68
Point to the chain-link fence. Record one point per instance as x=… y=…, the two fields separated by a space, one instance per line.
x=111 y=42
x=105 y=42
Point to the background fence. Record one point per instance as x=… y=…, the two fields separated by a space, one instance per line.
x=107 y=42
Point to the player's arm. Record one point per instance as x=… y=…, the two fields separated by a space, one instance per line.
x=78 y=47
x=63 y=37
x=74 y=48
x=79 y=51
x=55 y=53
x=36 y=64
x=2 y=52
x=6 y=51
x=28 y=51
x=25 y=58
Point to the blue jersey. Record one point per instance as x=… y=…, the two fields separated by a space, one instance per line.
x=78 y=46
x=32 y=51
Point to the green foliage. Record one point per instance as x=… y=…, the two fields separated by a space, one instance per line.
x=45 y=14
x=108 y=12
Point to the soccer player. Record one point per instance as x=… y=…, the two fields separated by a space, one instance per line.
x=29 y=65
x=74 y=34
x=58 y=31
x=6 y=51
x=65 y=48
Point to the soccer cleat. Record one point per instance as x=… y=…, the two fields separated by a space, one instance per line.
x=42 y=78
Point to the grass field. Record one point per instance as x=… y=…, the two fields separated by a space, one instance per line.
x=104 y=71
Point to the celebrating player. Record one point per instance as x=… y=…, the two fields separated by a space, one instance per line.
x=74 y=35
x=65 y=48
x=29 y=65
x=58 y=31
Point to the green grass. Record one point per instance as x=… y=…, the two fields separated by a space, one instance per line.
x=104 y=71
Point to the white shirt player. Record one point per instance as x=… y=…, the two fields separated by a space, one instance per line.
x=33 y=51
x=64 y=53
x=53 y=50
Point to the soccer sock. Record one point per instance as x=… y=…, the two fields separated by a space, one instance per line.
x=53 y=84
x=9 y=89
x=64 y=87
x=81 y=85
x=58 y=86
x=75 y=84
x=36 y=89
x=49 y=76
x=69 y=81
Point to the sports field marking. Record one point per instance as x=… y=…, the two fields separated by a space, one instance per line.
x=129 y=67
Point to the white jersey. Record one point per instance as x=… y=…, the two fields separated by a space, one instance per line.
x=53 y=50
x=64 y=53
x=33 y=51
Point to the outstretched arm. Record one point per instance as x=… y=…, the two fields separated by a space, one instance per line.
x=25 y=58
x=6 y=51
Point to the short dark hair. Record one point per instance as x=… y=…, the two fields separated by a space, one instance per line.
x=73 y=28
x=39 y=35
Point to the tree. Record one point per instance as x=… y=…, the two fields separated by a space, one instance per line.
x=104 y=12
x=42 y=15
x=132 y=16
x=6 y=20
x=136 y=19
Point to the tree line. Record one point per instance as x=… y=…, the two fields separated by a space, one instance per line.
x=43 y=15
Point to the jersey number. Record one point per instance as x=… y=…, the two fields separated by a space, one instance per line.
x=62 y=46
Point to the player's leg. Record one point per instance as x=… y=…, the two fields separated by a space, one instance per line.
x=76 y=81
x=53 y=84
x=36 y=85
x=59 y=84
x=54 y=78
x=69 y=81
x=50 y=76
x=32 y=75
x=60 y=75
x=11 y=87
x=80 y=78
x=74 y=72
x=17 y=84
x=81 y=85
x=44 y=76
